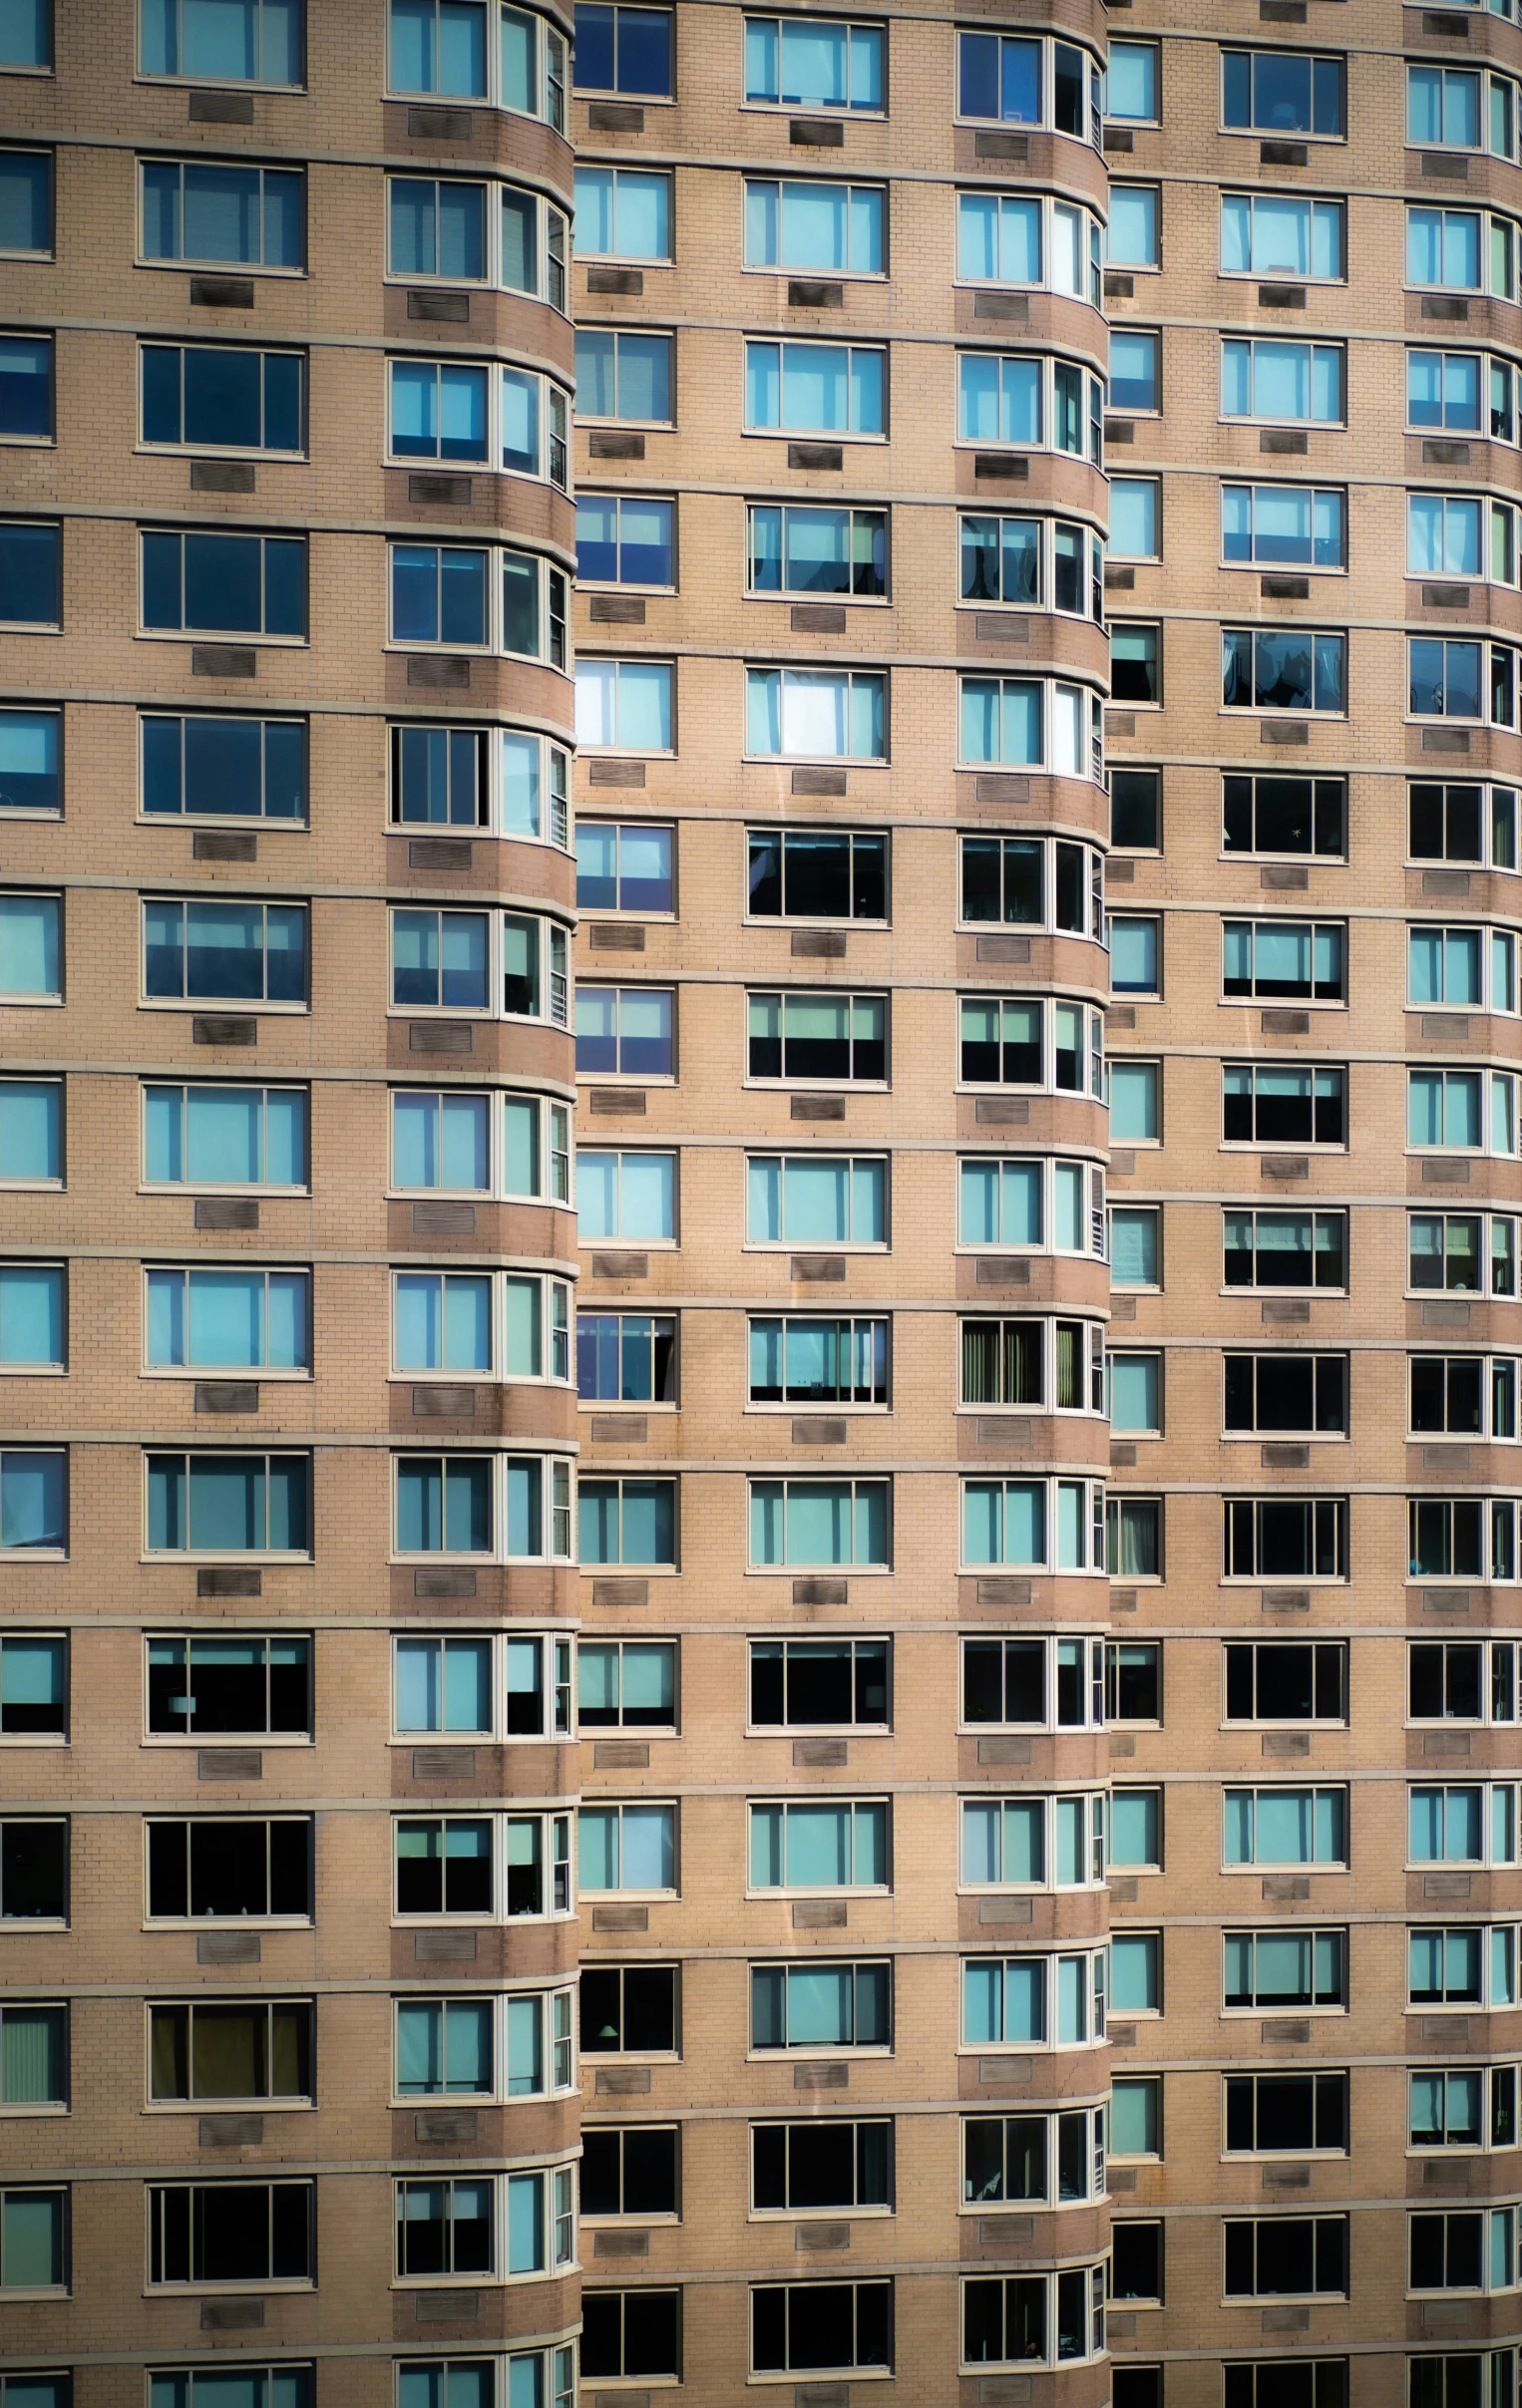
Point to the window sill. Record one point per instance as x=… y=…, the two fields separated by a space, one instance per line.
x=216 y=2106
x=42 y=1555
x=1237 y=711
x=239 y=1006
x=830 y=601
x=1332 y=1294
x=31 y=1003
x=778 y=920
x=638 y=1898
x=818 y=1404
x=861 y=1087
x=33 y=1739
x=34 y=1371
x=813 y=2050
x=12 y=813
x=814 y=1730
x=228 y=1739
x=644 y=1571
x=616 y=260
x=829 y=2374
x=642 y=100
x=1299 y=1438
x=841 y=435
x=238 y=823
x=220 y=267
x=264 y=1373
x=778 y=1897
x=40 y=2108
x=809 y=1246
x=643 y=1245
x=251 y=1562
x=840 y=760
x=660 y=1407
x=220 y=450
x=473 y=1379
x=613 y=752
x=633 y=1078
x=228 y=1923
x=1068 y=1412
x=449 y=1563
x=648 y=426
x=188 y=1187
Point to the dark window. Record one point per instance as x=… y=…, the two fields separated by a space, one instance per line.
x=1004 y=1680
x=799 y=1360
x=199 y=1685
x=1447 y=1681
x=26 y=385
x=627 y=1031
x=1003 y=2318
x=800 y=2326
x=1133 y=1681
x=1278 y=1106
x=235 y=1866
x=1448 y=1394
x=224 y=953
x=246 y=2051
x=445 y=2227
x=1287 y=1392
x=34 y=1686
x=1448 y=824
x=445 y=1868
x=1282 y=1681
x=622 y=540
x=630 y=2333
x=1295 y=2383
x=1005 y=2158
x=624 y=50
x=807 y=1681
x=1281 y=92
x=1287 y=2254
x=626 y=1358
x=1135 y=662
x=439 y=777
x=819 y=2165
x=1447 y=1537
x=31 y=562
x=1136 y=2387
x=1286 y=1538
x=1448 y=2252
x=439 y=594
x=1137 y=2262
x=799 y=549
x=248 y=401
x=629 y=2170
x=1286 y=1249
x=34 y=1871
x=814 y=873
x=26 y=202
x=628 y=2010
x=225 y=585
x=230 y=2232
x=1263 y=669
x=1266 y=2111
x=1286 y=815
x=1136 y=810
x=817 y=1036
x=30 y=765
x=1284 y=957
x=249 y=769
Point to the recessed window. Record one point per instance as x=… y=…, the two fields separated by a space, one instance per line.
x=228 y=1504
x=1134 y=1091
x=1269 y=669
x=1136 y=1245
x=627 y=1521
x=1136 y=662
x=1133 y=238
x=626 y=1686
x=31 y=574
x=1136 y=810
x=256 y=1683
x=624 y=50
x=1136 y=955
x=244 y=42
x=1274 y=2114
x=816 y=874
x=800 y=550
x=818 y=1200
x=30 y=779
x=834 y=228
x=1285 y=1968
x=816 y=714
x=819 y=1847
x=26 y=203
x=1289 y=384
x=1281 y=91
x=224 y=953
x=1284 y=526
x=628 y=2010
x=622 y=541
x=1288 y=815
x=1285 y=1249
x=1268 y=1106
x=1443 y=248
x=1135 y=371
x=34 y=1686
x=34 y=1871
x=818 y=1522
x=1135 y=1538
x=1266 y=958
x=33 y=1499
x=815 y=389
x=828 y=2163
x=1134 y=1393
x=1285 y=1681
x=252 y=1136
x=832 y=2005
x=26 y=40
x=629 y=1196
x=624 y=706
x=223 y=1320
x=206 y=2050
x=626 y=868
x=222 y=399
x=1131 y=81
x=813 y=63
x=1135 y=519
x=34 y=2242
x=1286 y=1538
x=26 y=385
x=798 y=1036
x=800 y=2328
x=624 y=376
x=30 y=948
x=231 y=1869
x=622 y=213
x=222 y=215
x=806 y=1684
x=627 y=1847
x=31 y=1133
x=626 y=1032
x=631 y=2332
x=34 y=2065
x=626 y=1358
x=217 y=767
x=1283 y=235
x=630 y=2170
x=222 y=584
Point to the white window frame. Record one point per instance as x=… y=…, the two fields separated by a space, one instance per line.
x=552 y=267
x=498 y=1552
x=549 y=1102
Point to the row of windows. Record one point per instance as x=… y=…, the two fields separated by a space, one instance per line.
x=1295 y=817
x=1446 y=1110
x=1471 y=1253
x=1305 y=93
x=1298 y=527
x=1306 y=670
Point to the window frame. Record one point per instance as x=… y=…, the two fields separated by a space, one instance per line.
x=554 y=403
x=239 y=164
x=499 y=1459
x=551 y=256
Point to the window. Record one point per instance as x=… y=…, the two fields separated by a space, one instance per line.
x=626 y=1684
x=248 y=42
x=1051 y=1682
x=626 y=1195
x=1279 y=235
x=26 y=387
x=1021 y=2319
x=216 y=215
x=625 y=375
x=1270 y=1106
x=448 y=1685
x=442 y=960
x=1280 y=525
x=1449 y=1395
x=1135 y=956
x=1007 y=238
x=1453 y=824
x=445 y=45
x=507 y=779
x=1448 y=1683
x=34 y=2246
x=1279 y=1680
x=799 y=1199
x=1028 y=722
x=819 y=1522
x=34 y=2056
x=622 y=541
x=1281 y=91
x=442 y=412
x=1041 y=1843
x=813 y=63
x=247 y=2050
x=1133 y=1392
x=1135 y=663
x=1133 y=238
x=229 y=952
x=807 y=550
x=1131 y=83
x=521 y=2224
x=34 y=1679
x=1051 y=1204
x=1054 y=1364
x=30 y=948
x=226 y=1869
x=798 y=2327
x=1136 y=2117
x=1285 y=2255
x=625 y=869
x=825 y=2005
x=1286 y=1826
x=225 y=584
x=1291 y=384
x=1443 y=389
x=622 y=213
x=26 y=40
x=1442 y=108
x=1273 y=2114
x=447 y=1865
x=1268 y=669
x=1286 y=1538
x=1004 y=79
x=1137 y=2264
x=454 y=1504
x=1136 y=1823
x=1134 y=1092
x=247 y=1685
x=1046 y=2159
x=819 y=1847
x=631 y=2332
x=809 y=874
x=34 y=1873
x=629 y=2170
x=1292 y=815
x=1133 y=1681
x=33 y=1510
x=32 y=1305
x=1461 y=1826
x=1045 y=1524
x=1447 y=1539
x=1136 y=813
x=1029 y=881
x=833 y=226
x=226 y=1505
x=30 y=777
x=800 y=2166
x=253 y=1137
x=1453 y=1968
x=1135 y=1538
x=538 y=2376
x=1465 y=2251
x=217 y=767
x=1285 y=1249
x=799 y=1036
x=627 y=50
x=626 y=1358
x=1004 y=398
x=1003 y=561
x=441 y=594
x=457 y=231
x=1448 y=967
x=444 y=1141
x=1135 y=371
x=809 y=1683
x=1136 y=504
x=628 y=2010
x=1444 y=1108
x=624 y=705
x=1442 y=248
x=816 y=714
x=1445 y=2111
x=31 y=573
x=626 y=1031
x=1285 y=1392
x=1442 y=536
x=814 y=388
x=223 y=399
x=627 y=1848
x=798 y=1360
x=206 y=1320
x=1284 y=2383
x=627 y=1521
x=26 y=203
